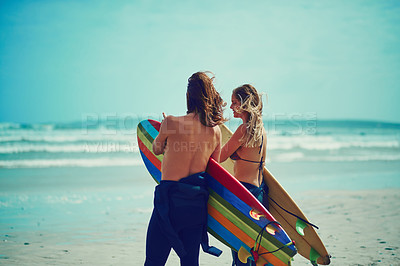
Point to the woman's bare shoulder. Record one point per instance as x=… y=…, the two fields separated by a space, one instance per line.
x=241 y=130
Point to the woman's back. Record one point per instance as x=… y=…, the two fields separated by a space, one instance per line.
x=248 y=161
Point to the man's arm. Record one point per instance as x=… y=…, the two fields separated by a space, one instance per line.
x=160 y=141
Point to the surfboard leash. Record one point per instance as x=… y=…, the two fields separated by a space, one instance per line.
x=313 y=225
x=254 y=250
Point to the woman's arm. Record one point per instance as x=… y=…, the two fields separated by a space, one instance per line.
x=233 y=143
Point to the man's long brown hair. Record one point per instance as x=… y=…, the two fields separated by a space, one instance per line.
x=204 y=100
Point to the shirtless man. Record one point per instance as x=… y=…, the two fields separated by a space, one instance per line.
x=179 y=218
x=187 y=146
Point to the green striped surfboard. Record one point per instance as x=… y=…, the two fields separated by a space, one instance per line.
x=235 y=216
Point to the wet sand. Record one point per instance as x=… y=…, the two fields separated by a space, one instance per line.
x=103 y=221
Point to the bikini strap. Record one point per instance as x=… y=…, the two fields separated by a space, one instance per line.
x=260 y=167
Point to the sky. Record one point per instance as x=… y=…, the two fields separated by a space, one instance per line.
x=62 y=61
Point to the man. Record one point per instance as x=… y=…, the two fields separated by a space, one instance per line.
x=179 y=218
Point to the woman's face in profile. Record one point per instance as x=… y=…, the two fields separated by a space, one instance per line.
x=235 y=105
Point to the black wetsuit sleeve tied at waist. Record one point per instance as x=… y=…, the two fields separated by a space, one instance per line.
x=187 y=197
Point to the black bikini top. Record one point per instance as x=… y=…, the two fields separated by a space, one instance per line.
x=236 y=157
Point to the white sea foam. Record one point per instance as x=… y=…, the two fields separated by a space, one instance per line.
x=327 y=143
x=72 y=136
x=58 y=146
x=299 y=156
x=100 y=147
x=359 y=158
x=288 y=157
x=98 y=162
x=70 y=199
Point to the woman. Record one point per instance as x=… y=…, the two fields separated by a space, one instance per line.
x=179 y=218
x=247 y=146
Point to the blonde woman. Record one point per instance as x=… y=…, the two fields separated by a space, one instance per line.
x=248 y=146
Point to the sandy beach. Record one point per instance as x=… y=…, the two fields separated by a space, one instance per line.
x=77 y=77
x=99 y=216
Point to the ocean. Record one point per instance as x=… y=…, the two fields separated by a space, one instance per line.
x=114 y=144
x=78 y=193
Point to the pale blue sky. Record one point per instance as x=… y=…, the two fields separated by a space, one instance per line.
x=61 y=60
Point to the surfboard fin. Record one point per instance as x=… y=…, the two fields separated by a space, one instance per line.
x=261 y=262
x=314 y=255
x=271 y=229
x=243 y=254
x=256 y=215
x=300 y=226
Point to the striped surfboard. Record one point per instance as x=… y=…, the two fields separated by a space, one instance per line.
x=235 y=216
x=288 y=214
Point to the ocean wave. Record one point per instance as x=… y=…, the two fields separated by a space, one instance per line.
x=98 y=162
x=101 y=147
x=301 y=157
x=22 y=126
x=360 y=158
x=333 y=145
x=288 y=157
x=319 y=143
x=116 y=146
x=69 y=137
x=75 y=126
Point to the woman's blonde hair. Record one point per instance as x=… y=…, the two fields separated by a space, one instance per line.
x=252 y=104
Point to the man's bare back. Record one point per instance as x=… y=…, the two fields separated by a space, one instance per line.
x=187 y=146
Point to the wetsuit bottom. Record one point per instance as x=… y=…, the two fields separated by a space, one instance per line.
x=158 y=246
x=179 y=221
